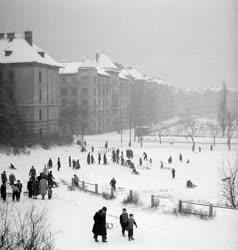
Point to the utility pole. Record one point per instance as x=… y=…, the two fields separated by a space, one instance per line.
x=130 y=131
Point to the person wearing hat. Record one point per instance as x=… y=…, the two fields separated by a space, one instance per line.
x=99 y=227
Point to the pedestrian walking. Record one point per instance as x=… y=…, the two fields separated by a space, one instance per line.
x=124 y=221
x=99 y=227
x=131 y=223
x=173 y=173
x=58 y=164
x=4 y=191
x=43 y=185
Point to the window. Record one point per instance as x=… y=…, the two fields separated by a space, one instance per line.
x=64 y=91
x=1 y=75
x=74 y=91
x=11 y=75
x=40 y=131
x=40 y=114
x=39 y=76
x=84 y=91
x=40 y=94
x=85 y=102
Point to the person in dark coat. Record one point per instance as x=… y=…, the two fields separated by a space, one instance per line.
x=113 y=184
x=145 y=156
x=113 y=156
x=106 y=144
x=180 y=157
x=211 y=148
x=29 y=187
x=51 y=181
x=4 y=191
x=35 y=188
x=92 y=159
x=69 y=161
x=12 y=178
x=92 y=149
x=161 y=165
x=104 y=159
x=140 y=161
x=19 y=185
x=58 y=164
x=50 y=163
x=74 y=164
x=124 y=221
x=199 y=149
x=99 y=158
x=77 y=164
x=4 y=177
x=32 y=173
x=50 y=193
x=88 y=158
x=173 y=173
x=15 y=192
x=99 y=227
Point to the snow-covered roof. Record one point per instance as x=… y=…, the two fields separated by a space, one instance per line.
x=23 y=52
x=70 y=67
x=135 y=74
x=103 y=61
x=101 y=71
x=124 y=74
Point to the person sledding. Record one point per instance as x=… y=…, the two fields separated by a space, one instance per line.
x=189 y=184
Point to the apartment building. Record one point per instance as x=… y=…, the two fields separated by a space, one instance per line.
x=30 y=77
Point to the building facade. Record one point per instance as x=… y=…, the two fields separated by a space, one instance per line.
x=31 y=77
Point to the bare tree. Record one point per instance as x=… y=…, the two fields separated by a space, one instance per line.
x=190 y=126
x=160 y=129
x=222 y=111
x=26 y=230
x=231 y=127
x=229 y=174
x=214 y=130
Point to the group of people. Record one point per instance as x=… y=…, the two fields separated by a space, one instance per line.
x=74 y=163
x=16 y=186
x=36 y=185
x=127 y=223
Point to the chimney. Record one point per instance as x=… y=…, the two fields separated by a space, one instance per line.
x=97 y=56
x=1 y=35
x=28 y=37
x=11 y=36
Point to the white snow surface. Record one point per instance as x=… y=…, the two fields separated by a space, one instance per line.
x=70 y=213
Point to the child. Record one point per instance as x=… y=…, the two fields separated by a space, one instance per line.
x=49 y=193
x=131 y=223
x=124 y=221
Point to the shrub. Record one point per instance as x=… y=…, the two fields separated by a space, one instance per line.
x=132 y=198
x=107 y=196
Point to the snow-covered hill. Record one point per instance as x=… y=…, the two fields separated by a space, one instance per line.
x=70 y=212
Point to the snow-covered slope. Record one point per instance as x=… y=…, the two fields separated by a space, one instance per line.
x=70 y=212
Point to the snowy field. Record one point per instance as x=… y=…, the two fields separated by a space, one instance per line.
x=70 y=212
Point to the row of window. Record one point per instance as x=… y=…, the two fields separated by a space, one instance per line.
x=10 y=76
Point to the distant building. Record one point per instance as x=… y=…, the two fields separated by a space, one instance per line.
x=100 y=90
x=31 y=77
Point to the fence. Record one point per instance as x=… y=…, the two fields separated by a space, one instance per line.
x=90 y=187
x=189 y=210
x=155 y=199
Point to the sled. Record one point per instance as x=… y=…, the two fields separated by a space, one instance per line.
x=109 y=225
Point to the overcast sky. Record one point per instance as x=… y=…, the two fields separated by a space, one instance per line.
x=189 y=43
